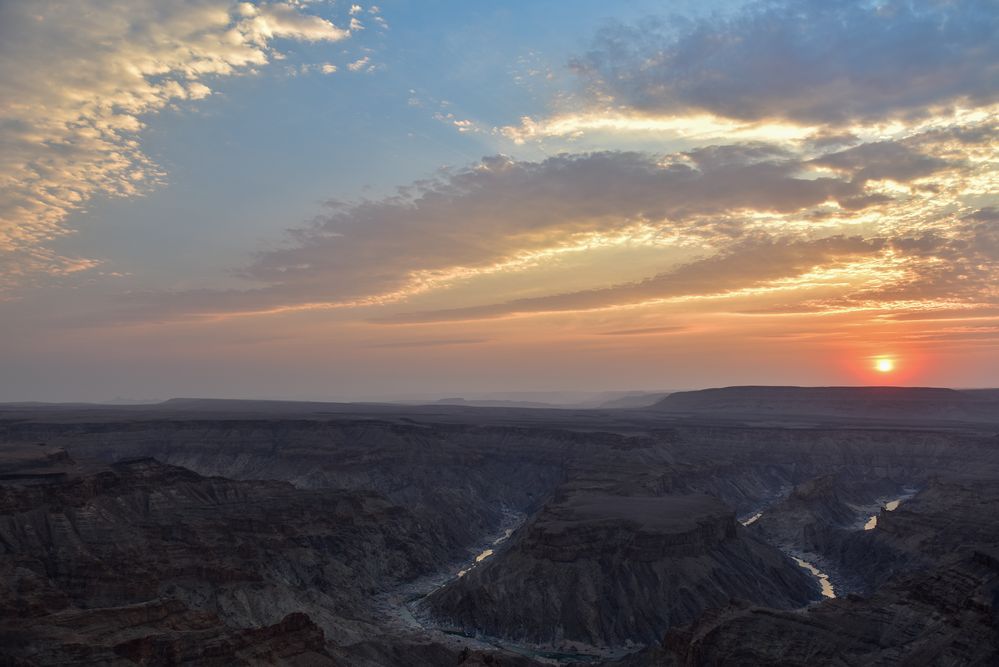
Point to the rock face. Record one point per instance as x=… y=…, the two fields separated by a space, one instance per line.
x=161 y=633
x=933 y=565
x=945 y=616
x=609 y=570
x=948 y=516
x=428 y=470
x=141 y=558
x=823 y=513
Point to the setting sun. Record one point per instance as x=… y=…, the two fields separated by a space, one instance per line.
x=883 y=365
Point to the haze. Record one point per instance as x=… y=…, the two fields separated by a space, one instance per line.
x=328 y=200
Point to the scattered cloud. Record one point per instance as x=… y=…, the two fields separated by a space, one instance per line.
x=878 y=222
x=77 y=80
x=461 y=124
x=810 y=62
x=844 y=160
x=500 y=209
x=360 y=64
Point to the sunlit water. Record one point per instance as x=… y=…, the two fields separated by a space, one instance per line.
x=483 y=555
x=827 y=587
x=890 y=506
x=823 y=578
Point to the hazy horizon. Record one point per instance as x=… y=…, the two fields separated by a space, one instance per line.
x=582 y=399
x=335 y=200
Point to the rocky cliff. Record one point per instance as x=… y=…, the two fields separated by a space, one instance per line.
x=948 y=615
x=141 y=557
x=602 y=570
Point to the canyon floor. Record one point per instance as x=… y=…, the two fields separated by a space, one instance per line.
x=748 y=525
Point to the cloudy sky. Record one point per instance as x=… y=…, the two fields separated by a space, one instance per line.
x=330 y=200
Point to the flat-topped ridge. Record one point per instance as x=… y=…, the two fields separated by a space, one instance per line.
x=918 y=403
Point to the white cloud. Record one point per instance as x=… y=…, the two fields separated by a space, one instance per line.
x=76 y=80
x=463 y=125
x=359 y=64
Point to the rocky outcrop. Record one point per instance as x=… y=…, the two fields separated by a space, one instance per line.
x=388 y=651
x=597 y=570
x=948 y=516
x=140 y=543
x=821 y=512
x=432 y=471
x=160 y=633
x=945 y=616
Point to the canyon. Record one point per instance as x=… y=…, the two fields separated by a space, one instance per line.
x=264 y=532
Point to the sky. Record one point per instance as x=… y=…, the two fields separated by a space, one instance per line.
x=335 y=200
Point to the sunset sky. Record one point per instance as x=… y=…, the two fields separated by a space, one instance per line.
x=328 y=200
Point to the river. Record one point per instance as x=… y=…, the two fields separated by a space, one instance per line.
x=889 y=506
x=400 y=608
x=821 y=577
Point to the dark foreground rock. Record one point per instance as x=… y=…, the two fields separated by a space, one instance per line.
x=160 y=633
x=159 y=565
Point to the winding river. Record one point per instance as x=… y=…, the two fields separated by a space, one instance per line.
x=827 y=588
x=822 y=577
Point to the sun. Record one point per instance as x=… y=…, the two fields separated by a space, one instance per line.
x=884 y=365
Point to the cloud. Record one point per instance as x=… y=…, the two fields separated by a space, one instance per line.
x=490 y=213
x=883 y=160
x=267 y=21
x=440 y=342
x=944 y=270
x=646 y=331
x=359 y=64
x=808 y=62
x=698 y=127
x=748 y=265
x=727 y=205
x=961 y=264
x=76 y=81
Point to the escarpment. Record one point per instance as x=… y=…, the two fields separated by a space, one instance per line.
x=638 y=528
x=606 y=570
